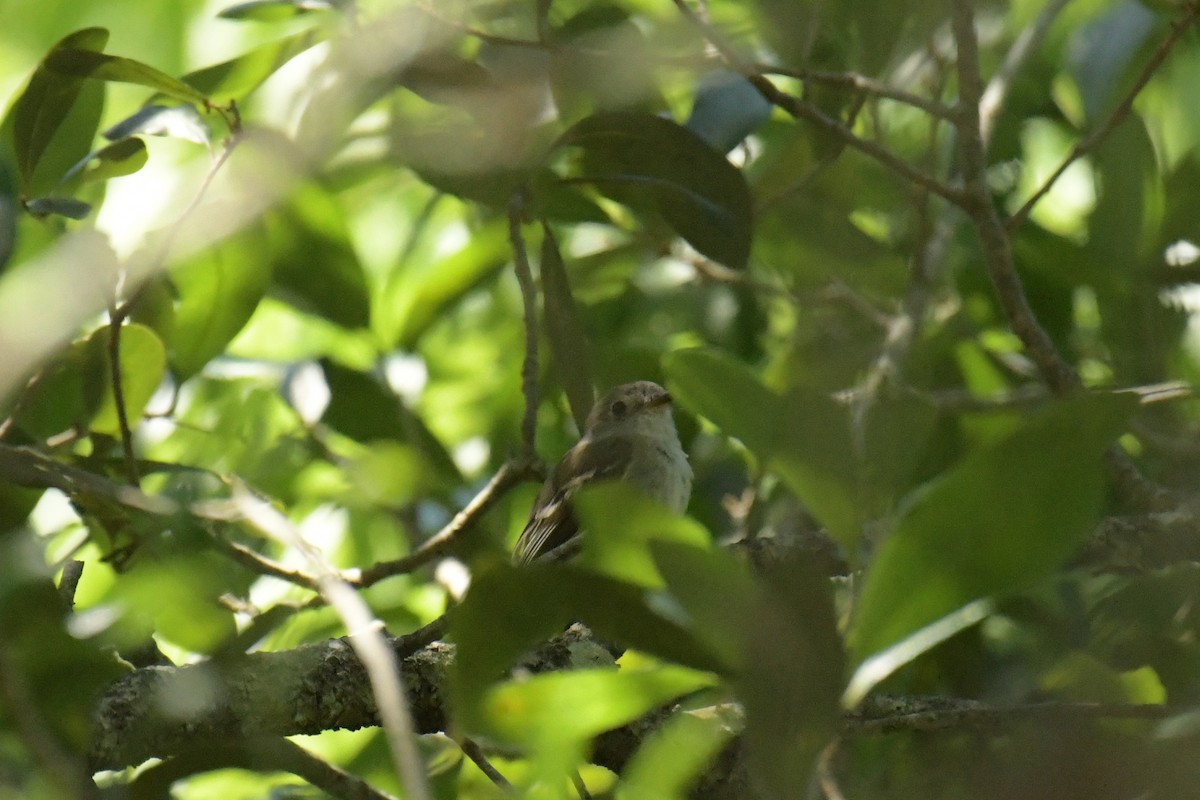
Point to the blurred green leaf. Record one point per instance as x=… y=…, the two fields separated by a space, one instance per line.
x=699 y=193
x=568 y=344
x=273 y=10
x=44 y=105
x=805 y=437
x=793 y=677
x=669 y=760
x=238 y=77
x=415 y=297
x=567 y=708
x=621 y=522
x=361 y=407
x=315 y=266
x=85 y=63
x=509 y=611
x=715 y=590
x=218 y=290
x=998 y=522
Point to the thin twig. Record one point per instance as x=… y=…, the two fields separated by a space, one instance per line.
x=365 y=636
x=861 y=83
x=580 y=787
x=529 y=369
x=509 y=475
x=826 y=776
x=802 y=109
x=1026 y=44
x=473 y=751
x=1096 y=137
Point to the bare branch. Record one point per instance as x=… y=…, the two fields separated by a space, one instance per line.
x=114 y=363
x=997 y=250
x=861 y=83
x=473 y=751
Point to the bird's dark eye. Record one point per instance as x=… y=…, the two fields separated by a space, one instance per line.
x=618 y=408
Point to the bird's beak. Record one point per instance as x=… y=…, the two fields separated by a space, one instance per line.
x=663 y=399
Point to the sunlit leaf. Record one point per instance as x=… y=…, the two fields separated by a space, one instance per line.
x=82 y=63
x=577 y=705
x=416 y=296
x=122 y=157
x=273 y=10
x=143 y=363
x=42 y=108
x=239 y=76
x=699 y=193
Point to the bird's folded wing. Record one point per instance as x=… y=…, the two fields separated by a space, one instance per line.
x=552 y=522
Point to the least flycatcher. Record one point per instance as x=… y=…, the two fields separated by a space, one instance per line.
x=629 y=436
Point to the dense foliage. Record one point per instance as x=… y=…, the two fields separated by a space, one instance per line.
x=298 y=297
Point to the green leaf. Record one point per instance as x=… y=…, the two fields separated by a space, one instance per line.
x=804 y=437
x=123 y=157
x=670 y=758
x=238 y=77
x=568 y=344
x=218 y=290
x=620 y=522
x=558 y=708
x=999 y=522
x=180 y=122
x=793 y=678
x=715 y=590
x=510 y=611
x=273 y=10
x=364 y=409
x=82 y=63
x=699 y=193
x=143 y=364
x=42 y=108
x=316 y=267
x=417 y=296
x=62 y=206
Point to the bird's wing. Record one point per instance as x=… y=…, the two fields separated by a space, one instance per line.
x=552 y=521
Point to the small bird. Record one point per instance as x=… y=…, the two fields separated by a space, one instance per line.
x=629 y=436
